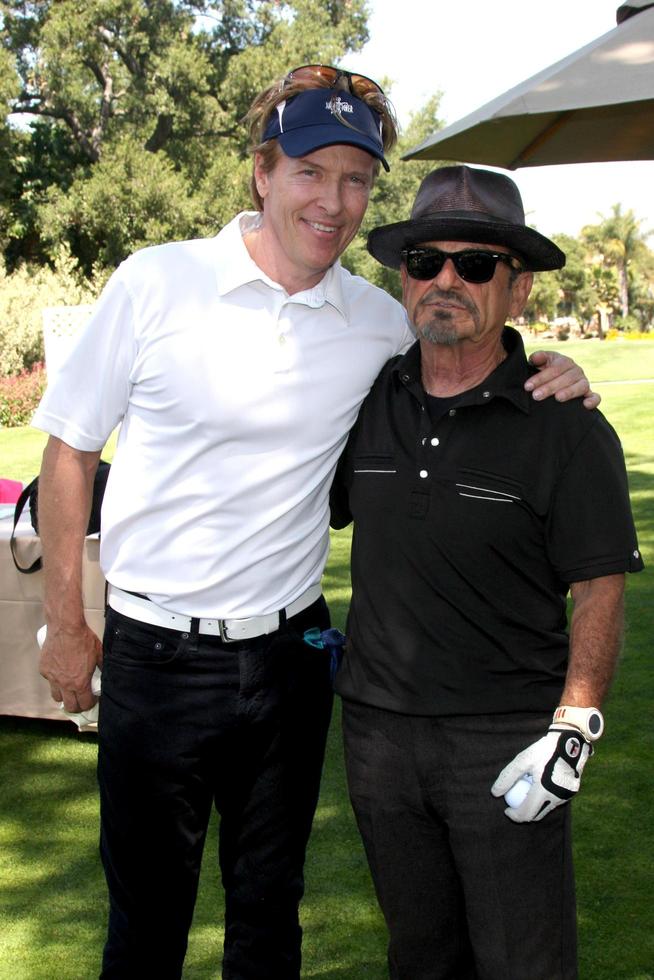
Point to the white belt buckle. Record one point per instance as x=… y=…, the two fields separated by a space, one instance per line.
x=265 y=625
x=222 y=629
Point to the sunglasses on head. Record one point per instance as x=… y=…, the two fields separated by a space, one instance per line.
x=358 y=85
x=471 y=264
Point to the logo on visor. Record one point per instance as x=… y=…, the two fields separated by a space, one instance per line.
x=337 y=106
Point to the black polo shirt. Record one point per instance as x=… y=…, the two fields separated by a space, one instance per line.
x=468 y=532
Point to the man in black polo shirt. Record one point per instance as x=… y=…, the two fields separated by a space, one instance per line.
x=476 y=511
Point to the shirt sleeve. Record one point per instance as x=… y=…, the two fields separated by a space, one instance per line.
x=590 y=529
x=89 y=394
x=339 y=498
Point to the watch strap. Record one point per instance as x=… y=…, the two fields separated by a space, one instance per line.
x=589 y=721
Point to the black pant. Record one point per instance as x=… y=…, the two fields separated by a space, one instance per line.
x=466 y=893
x=186 y=722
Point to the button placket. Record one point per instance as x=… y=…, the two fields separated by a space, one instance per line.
x=283 y=352
x=433 y=441
x=424 y=458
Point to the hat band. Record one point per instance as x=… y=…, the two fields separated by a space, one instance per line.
x=458 y=214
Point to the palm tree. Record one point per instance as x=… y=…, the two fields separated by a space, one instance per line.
x=619 y=240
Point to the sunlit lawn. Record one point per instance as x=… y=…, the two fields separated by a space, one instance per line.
x=52 y=903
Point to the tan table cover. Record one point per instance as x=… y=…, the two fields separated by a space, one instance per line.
x=23 y=691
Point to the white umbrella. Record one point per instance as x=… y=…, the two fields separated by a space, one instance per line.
x=595 y=105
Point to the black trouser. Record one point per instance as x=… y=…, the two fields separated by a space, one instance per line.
x=186 y=722
x=466 y=893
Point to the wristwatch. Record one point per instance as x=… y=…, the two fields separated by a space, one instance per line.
x=589 y=721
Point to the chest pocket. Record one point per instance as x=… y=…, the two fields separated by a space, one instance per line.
x=374 y=465
x=374 y=487
x=494 y=509
x=487 y=487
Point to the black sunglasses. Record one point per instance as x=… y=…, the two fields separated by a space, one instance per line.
x=358 y=85
x=471 y=264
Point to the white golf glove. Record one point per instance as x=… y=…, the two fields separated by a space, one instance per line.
x=555 y=764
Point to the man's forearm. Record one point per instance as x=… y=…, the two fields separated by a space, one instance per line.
x=549 y=771
x=596 y=632
x=71 y=650
x=65 y=496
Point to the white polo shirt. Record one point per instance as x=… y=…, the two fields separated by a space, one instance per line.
x=235 y=400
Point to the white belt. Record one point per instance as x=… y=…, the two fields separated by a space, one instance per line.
x=229 y=630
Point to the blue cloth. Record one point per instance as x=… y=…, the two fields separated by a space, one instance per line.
x=331 y=640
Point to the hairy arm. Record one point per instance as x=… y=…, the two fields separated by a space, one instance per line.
x=596 y=632
x=560 y=376
x=556 y=762
x=71 y=650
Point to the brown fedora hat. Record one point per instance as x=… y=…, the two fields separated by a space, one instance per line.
x=465 y=204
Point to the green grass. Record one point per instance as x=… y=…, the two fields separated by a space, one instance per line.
x=21 y=450
x=52 y=903
x=611 y=360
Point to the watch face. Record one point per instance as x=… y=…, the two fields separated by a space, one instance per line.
x=595 y=724
x=587 y=720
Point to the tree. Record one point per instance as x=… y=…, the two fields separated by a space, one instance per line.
x=98 y=67
x=130 y=199
x=8 y=88
x=128 y=91
x=604 y=283
x=544 y=297
x=578 y=296
x=642 y=290
x=619 y=241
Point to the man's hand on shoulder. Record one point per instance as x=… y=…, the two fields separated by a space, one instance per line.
x=560 y=376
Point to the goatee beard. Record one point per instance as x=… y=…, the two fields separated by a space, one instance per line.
x=441 y=329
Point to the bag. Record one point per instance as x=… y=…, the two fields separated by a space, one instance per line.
x=30 y=495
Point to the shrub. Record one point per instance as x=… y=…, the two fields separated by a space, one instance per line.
x=628 y=324
x=23 y=296
x=19 y=396
x=615 y=334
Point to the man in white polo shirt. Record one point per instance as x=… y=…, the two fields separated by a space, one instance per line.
x=236 y=366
